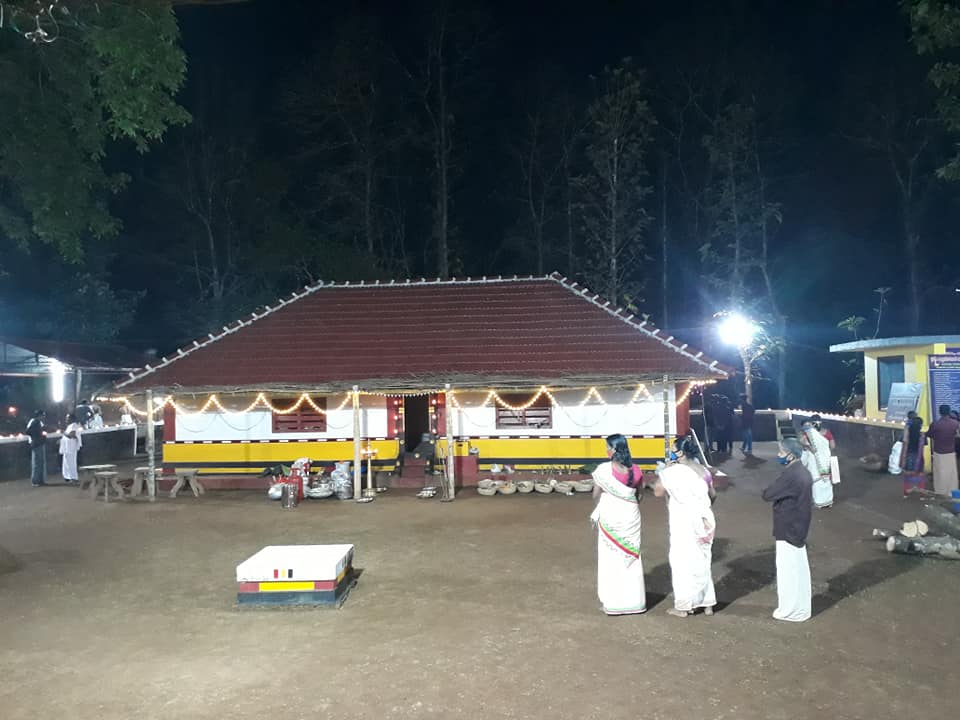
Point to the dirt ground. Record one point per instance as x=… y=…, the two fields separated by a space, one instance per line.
x=485 y=607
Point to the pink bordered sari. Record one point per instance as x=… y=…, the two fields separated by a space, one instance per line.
x=620 y=585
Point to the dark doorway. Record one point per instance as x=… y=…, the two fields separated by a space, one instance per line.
x=416 y=420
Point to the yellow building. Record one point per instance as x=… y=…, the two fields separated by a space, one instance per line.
x=930 y=361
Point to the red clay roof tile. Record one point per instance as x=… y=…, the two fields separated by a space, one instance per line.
x=522 y=331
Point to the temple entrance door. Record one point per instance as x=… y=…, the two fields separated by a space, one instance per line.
x=416 y=420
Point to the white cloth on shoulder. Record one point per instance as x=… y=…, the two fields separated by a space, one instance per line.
x=692 y=529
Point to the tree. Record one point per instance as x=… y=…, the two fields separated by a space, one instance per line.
x=80 y=79
x=453 y=41
x=936 y=31
x=552 y=125
x=894 y=117
x=613 y=188
x=743 y=220
x=352 y=125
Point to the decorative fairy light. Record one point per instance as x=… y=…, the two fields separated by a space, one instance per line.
x=214 y=402
x=493 y=395
x=691 y=387
x=261 y=400
x=592 y=392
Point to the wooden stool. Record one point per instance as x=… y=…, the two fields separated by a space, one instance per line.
x=87 y=473
x=140 y=477
x=188 y=476
x=106 y=479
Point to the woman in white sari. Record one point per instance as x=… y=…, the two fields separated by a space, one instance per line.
x=816 y=459
x=617 y=484
x=692 y=528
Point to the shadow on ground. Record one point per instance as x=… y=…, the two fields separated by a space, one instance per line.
x=8 y=562
x=859 y=577
x=746 y=575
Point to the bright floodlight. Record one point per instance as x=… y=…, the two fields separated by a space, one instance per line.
x=737 y=330
x=57 y=373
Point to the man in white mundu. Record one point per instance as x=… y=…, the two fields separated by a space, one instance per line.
x=70 y=444
x=792 y=498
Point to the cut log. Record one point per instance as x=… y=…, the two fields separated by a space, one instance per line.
x=946 y=547
x=914 y=529
x=941 y=520
x=883 y=534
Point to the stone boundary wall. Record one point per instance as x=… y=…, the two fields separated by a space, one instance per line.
x=106 y=445
x=856 y=437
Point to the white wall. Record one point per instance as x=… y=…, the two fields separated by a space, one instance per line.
x=643 y=417
x=258 y=424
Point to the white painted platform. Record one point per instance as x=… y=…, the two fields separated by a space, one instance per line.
x=296 y=562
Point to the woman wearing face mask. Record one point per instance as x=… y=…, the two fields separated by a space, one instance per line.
x=692 y=528
x=618 y=484
x=816 y=458
x=791 y=495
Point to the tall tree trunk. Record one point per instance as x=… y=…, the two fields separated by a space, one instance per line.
x=568 y=183
x=736 y=295
x=664 y=242
x=443 y=168
x=368 y=172
x=911 y=246
x=612 y=284
x=768 y=283
x=905 y=178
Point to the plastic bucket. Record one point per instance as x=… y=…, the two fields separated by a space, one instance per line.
x=955 y=494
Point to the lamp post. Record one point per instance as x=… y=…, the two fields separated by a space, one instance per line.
x=741 y=332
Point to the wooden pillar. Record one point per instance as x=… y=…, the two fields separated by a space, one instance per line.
x=77 y=382
x=151 y=451
x=666 y=416
x=683 y=409
x=357 y=490
x=448 y=429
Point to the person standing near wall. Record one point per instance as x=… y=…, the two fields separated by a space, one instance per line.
x=747 y=411
x=70 y=444
x=943 y=434
x=38 y=449
x=791 y=495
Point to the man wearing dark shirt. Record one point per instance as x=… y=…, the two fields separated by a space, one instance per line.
x=38 y=450
x=792 y=498
x=747 y=412
x=943 y=434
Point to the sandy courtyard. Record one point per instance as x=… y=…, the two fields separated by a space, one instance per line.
x=485 y=607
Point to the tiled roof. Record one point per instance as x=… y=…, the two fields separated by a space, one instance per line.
x=421 y=334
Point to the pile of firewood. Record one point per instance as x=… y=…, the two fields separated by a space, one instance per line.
x=913 y=538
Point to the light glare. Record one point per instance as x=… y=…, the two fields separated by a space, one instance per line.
x=57 y=373
x=736 y=330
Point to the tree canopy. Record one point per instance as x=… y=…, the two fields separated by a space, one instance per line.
x=85 y=79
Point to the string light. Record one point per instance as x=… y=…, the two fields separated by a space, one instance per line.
x=493 y=395
x=691 y=387
x=641 y=390
x=214 y=402
x=261 y=400
x=592 y=392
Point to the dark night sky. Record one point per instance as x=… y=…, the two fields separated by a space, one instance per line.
x=840 y=201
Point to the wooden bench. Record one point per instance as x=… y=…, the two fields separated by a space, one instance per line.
x=106 y=479
x=187 y=476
